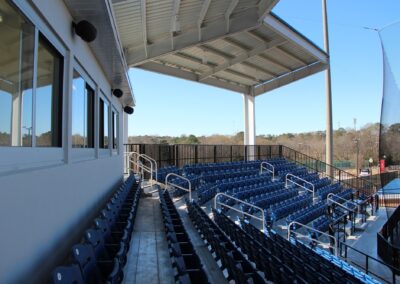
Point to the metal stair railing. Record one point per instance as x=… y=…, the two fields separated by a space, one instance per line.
x=178 y=186
x=298 y=184
x=262 y=219
x=269 y=170
x=292 y=232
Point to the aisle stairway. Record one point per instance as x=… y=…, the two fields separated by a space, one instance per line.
x=149 y=260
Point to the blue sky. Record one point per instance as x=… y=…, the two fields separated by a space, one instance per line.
x=169 y=106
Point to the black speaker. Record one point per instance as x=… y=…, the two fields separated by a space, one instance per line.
x=128 y=109
x=85 y=30
x=117 y=92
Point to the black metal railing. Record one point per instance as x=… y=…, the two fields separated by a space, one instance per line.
x=370 y=265
x=182 y=154
x=389 y=238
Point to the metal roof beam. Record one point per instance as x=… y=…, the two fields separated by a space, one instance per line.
x=217 y=52
x=144 y=26
x=242 y=75
x=289 y=77
x=175 y=23
x=194 y=59
x=296 y=38
x=258 y=68
x=213 y=31
x=229 y=12
x=165 y=69
x=244 y=56
x=264 y=7
x=202 y=15
x=260 y=38
x=275 y=62
x=295 y=58
x=237 y=44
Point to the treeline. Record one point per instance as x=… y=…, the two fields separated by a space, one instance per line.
x=346 y=142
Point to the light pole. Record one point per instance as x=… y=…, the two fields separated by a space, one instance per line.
x=328 y=96
x=357 y=142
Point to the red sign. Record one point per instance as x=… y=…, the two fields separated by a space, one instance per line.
x=382 y=165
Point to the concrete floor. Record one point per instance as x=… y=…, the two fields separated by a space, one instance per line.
x=148 y=256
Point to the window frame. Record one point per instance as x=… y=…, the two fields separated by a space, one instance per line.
x=115 y=150
x=78 y=154
x=16 y=158
x=103 y=151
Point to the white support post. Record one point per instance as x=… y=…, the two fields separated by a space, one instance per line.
x=249 y=124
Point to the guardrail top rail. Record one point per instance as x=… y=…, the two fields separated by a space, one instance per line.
x=334 y=247
x=269 y=170
x=262 y=219
x=303 y=180
x=330 y=200
x=178 y=186
x=152 y=162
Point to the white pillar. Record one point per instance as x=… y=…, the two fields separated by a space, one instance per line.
x=328 y=96
x=249 y=124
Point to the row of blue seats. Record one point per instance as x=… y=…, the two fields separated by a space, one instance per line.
x=345 y=194
x=266 y=200
x=307 y=214
x=204 y=168
x=187 y=265
x=102 y=254
x=297 y=171
x=208 y=192
x=321 y=183
x=246 y=192
x=225 y=174
x=163 y=172
x=286 y=207
x=332 y=188
x=205 y=186
x=309 y=265
x=321 y=223
x=238 y=268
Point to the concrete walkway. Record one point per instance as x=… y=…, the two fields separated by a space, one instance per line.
x=148 y=256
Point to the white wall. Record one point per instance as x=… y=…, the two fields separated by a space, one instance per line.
x=49 y=196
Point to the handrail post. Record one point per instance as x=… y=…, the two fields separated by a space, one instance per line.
x=262 y=219
x=303 y=180
x=271 y=171
x=178 y=186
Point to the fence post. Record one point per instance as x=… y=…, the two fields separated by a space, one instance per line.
x=196 y=154
x=245 y=153
x=215 y=153
x=280 y=151
x=231 y=153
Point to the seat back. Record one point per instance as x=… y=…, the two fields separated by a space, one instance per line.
x=83 y=255
x=67 y=275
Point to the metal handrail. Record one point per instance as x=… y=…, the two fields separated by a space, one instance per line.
x=151 y=160
x=262 y=219
x=395 y=270
x=303 y=180
x=330 y=200
x=130 y=155
x=147 y=158
x=314 y=230
x=178 y=186
x=271 y=171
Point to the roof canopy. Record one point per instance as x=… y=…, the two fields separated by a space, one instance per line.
x=237 y=45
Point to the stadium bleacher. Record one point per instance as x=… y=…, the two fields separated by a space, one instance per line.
x=101 y=255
